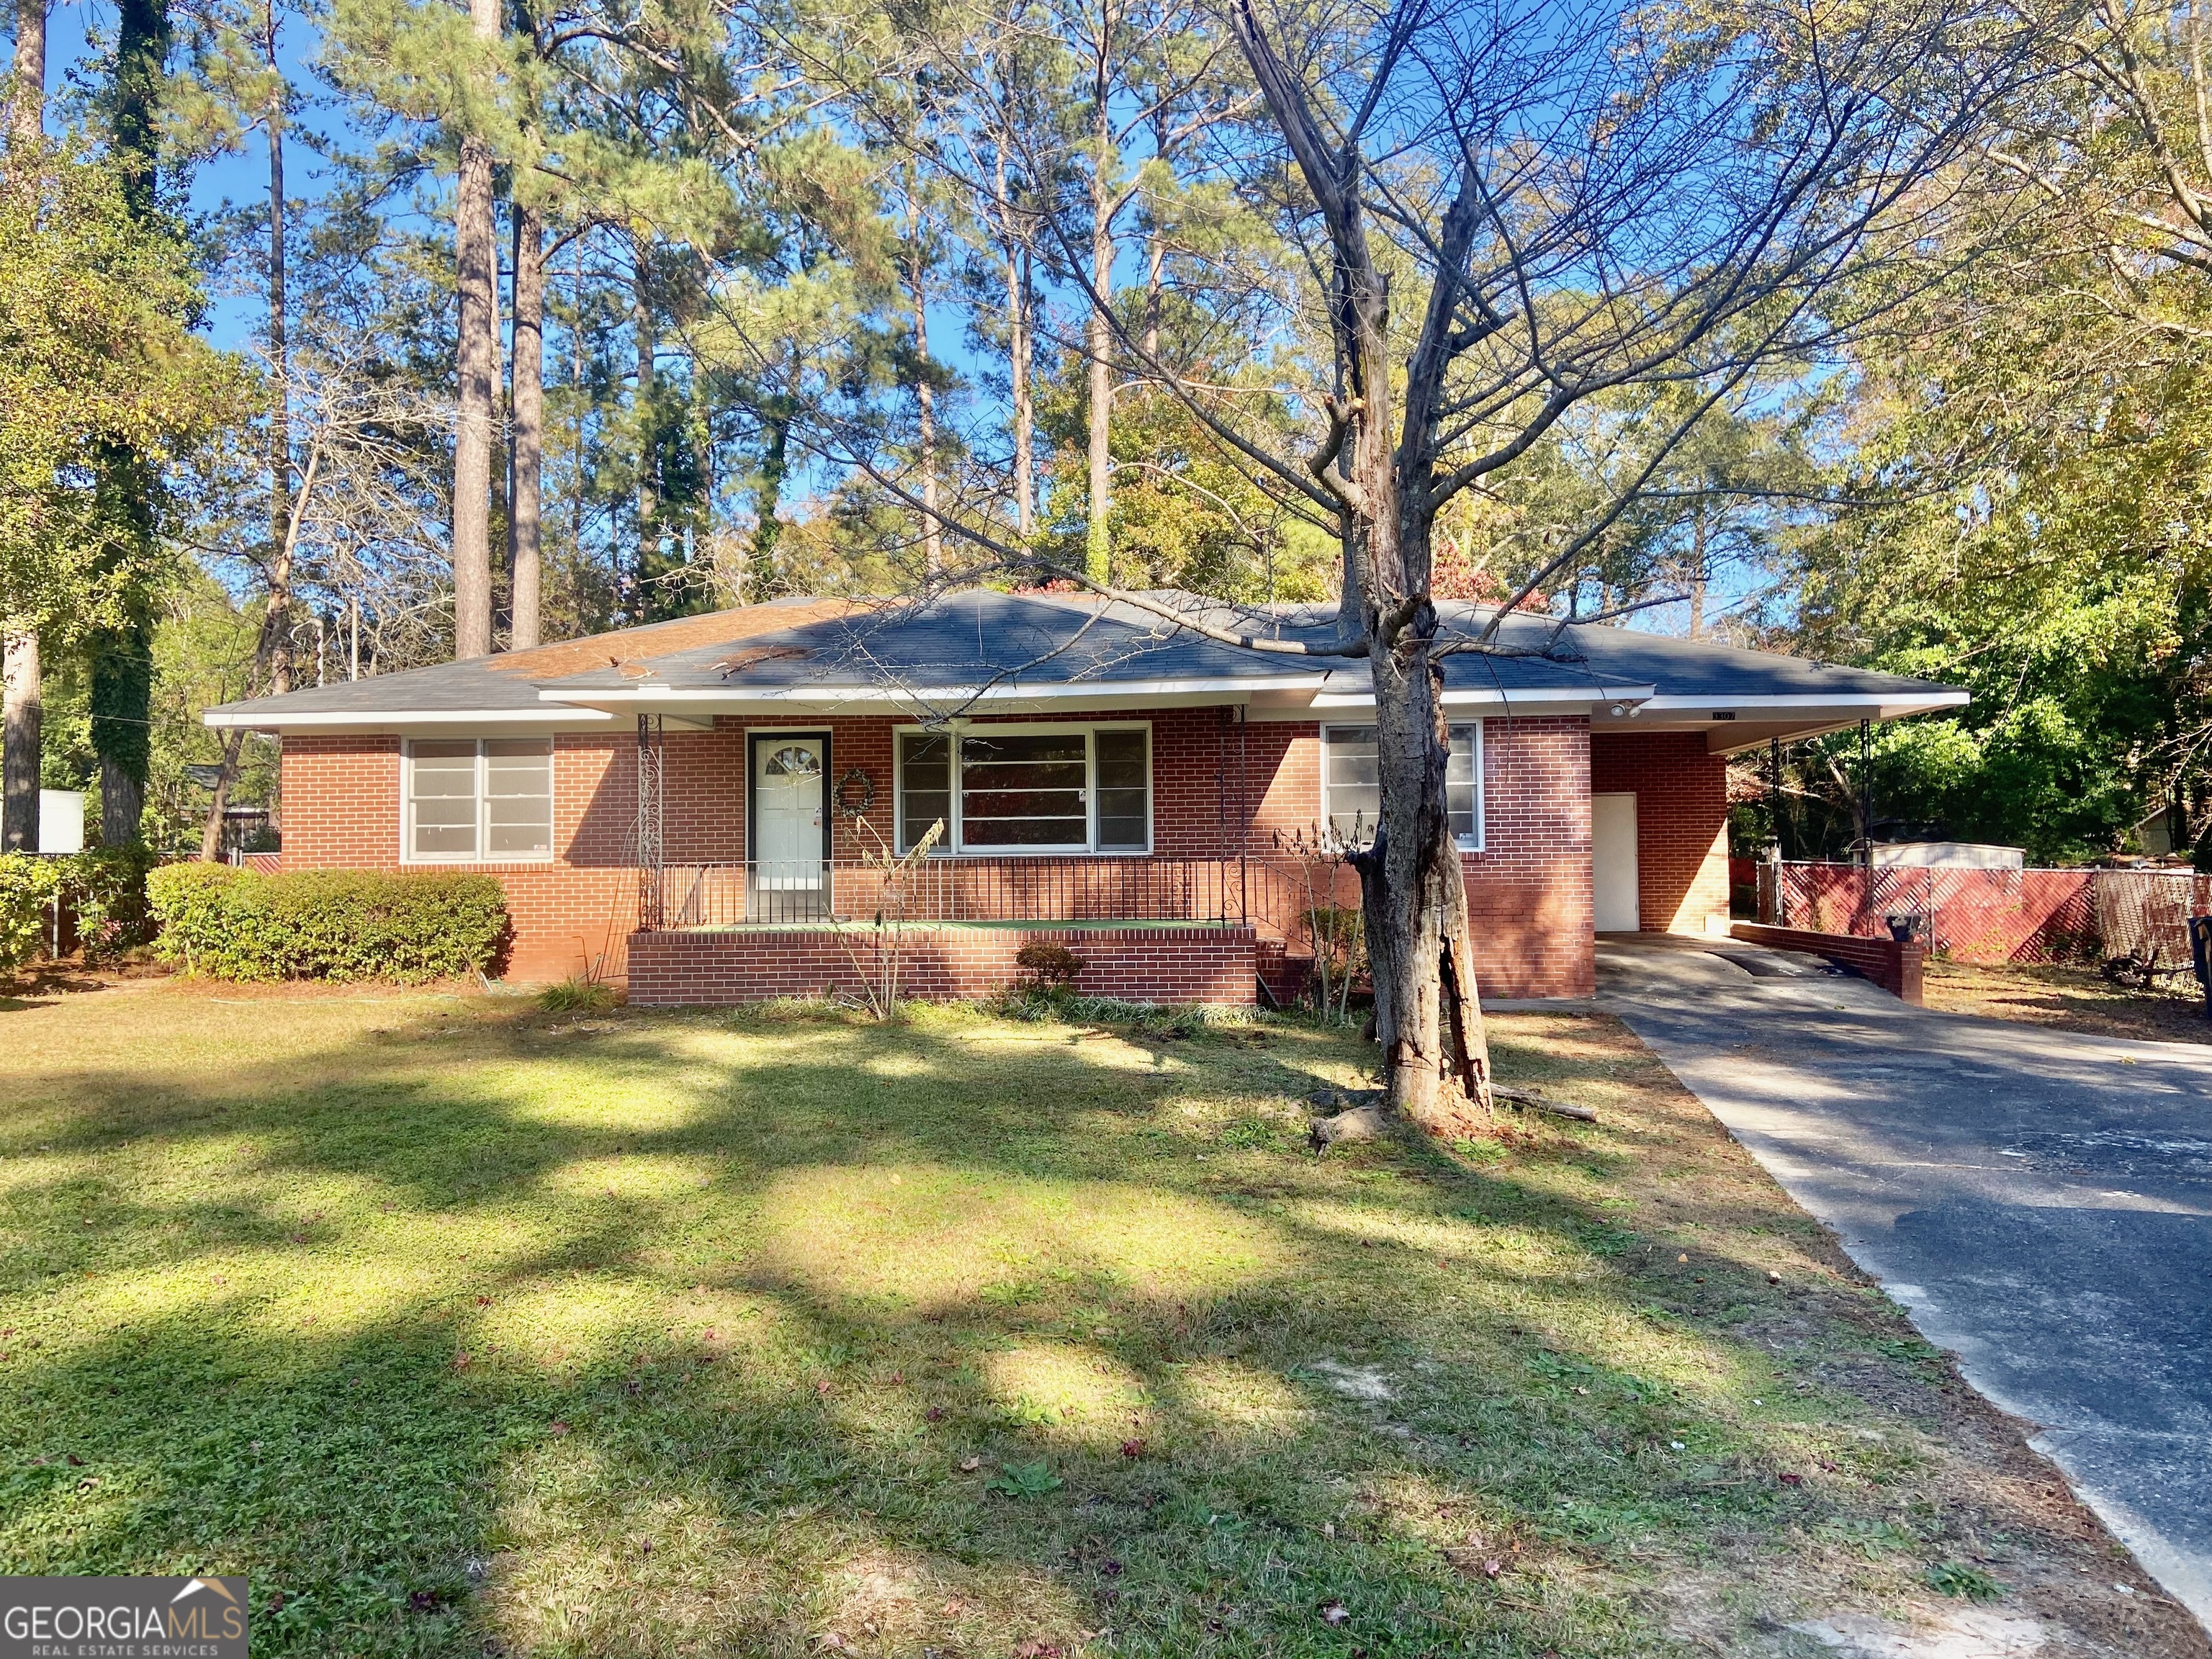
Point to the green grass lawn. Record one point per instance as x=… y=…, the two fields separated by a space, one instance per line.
x=464 y=1328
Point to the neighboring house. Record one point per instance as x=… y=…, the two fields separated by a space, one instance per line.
x=1105 y=779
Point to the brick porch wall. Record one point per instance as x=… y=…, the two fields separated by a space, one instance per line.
x=1681 y=823
x=1140 y=964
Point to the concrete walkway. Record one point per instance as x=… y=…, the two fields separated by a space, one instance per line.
x=2039 y=1202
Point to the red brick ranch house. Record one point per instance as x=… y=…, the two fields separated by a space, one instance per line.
x=1105 y=780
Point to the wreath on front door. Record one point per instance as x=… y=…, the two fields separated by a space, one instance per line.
x=856 y=793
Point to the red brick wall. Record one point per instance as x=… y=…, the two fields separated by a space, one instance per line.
x=1681 y=823
x=1899 y=966
x=1142 y=964
x=1529 y=890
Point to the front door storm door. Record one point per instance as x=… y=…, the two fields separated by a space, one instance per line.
x=789 y=838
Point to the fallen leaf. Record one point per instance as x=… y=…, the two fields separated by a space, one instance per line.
x=969 y=1465
x=823 y=1387
x=934 y=1414
x=1333 y=1613
x=74 y=1460
x=560 y=1427
x=1133 y=1449
x=1791 y=1480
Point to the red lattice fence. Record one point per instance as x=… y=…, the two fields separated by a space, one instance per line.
x=2008 y=915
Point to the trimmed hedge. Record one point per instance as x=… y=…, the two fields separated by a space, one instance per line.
x=325 y=924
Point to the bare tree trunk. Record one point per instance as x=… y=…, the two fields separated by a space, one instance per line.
x=477 y=258
x=1098 y=539
x=26 y=111
x=24 y=715
x=211 y=834
x=527 y=437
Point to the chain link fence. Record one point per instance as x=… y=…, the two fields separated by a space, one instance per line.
x=1996 y=916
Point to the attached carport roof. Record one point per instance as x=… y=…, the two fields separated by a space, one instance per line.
x=984 y=652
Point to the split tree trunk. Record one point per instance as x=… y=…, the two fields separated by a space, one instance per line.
x=477 y=268
x=526 y=436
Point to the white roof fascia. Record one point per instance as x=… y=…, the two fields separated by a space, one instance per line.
x=367 y=720
x=1890 y=704
x=903 y=696
x=1567 y=697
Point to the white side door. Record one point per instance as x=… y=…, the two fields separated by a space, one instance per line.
x=787 y=813
x=1613 y=863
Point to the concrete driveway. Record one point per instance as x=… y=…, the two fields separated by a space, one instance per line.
x=2039 y=1202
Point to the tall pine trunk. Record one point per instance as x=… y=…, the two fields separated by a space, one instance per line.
x=476 y=253
x=933 y=533
x=648 y=338
x=274 y=647
x=1098 y=539
x=277 y=628
x=123 y=653
x=24 y=715
x=526 y=435
x=21 y=705
x=26 y=99
x=1020 y=347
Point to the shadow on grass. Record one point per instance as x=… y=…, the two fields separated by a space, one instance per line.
x=705 y=1334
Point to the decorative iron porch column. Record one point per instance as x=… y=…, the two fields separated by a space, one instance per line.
x=651 y=818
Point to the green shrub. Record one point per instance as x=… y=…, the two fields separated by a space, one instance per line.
x=1046 y=964
x=325 y=924
x=28 y=886
x=578 y=996
x=103 y=888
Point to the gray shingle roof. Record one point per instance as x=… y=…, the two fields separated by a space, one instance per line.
x=1037 y=641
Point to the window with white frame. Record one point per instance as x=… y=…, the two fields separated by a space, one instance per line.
x=479 y=798
x=1028 y=788
x=1352 y=791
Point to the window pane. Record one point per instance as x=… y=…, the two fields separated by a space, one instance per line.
x=1462 y=793
x=925 y=785
x=1355 y=798
x=1024 y=790
x=519 y=795
x=445 y=799
x=1124 y=790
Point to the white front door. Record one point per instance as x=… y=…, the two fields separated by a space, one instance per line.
x=788 y=812
x=1613 y=863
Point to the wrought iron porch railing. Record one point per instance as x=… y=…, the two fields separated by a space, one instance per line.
x=776 y=893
